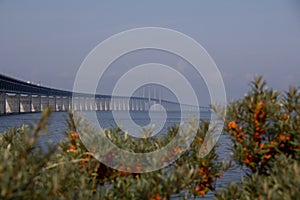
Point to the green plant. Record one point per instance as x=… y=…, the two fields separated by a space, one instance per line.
x=282 y=182
x=263 y=124
x=69 y=171
x=264 y=127
x=190 y=173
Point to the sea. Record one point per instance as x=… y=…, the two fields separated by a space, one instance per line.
x=57 y=126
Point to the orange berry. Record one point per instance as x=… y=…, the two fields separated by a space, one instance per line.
x=281 y=138
x=73 y=148
x=288 y=138
x=201 y=192
x=201 y=171
x=157 y=197
x=267 y=156
x=285 y=116
x=246 y=161
x=74 y=134
x=200 y=140
x=259 y=105
x=261 y=146
x=232 y=125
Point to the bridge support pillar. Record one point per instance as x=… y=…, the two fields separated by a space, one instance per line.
x=2 y=103
x=12 y=103
x=65 y=103
x=91 y=104
x=70 y=103
x=76 y=103
x=114 y=104
x=58 y=103
x=143 y=105
x=106 y=104
x=97 y=104
x=100 y=103
x=25 y=103
x=120 y=104
x=123 y=104
x=44 y=102
x=35 y=103
x=128 y=104
x=52 y=102
x=137 y=104
x=132 y=105
x=110 y=104
x=85 y=104
x=81 y=104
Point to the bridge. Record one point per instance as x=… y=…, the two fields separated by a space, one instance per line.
x=17 y=96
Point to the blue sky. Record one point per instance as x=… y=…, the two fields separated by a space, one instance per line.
x=46 y=41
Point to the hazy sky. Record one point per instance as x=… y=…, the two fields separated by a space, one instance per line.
x=46 y=41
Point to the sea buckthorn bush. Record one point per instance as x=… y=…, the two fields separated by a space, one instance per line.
x=69 y=171
x=263 y=124
x=264 y=127
x=188 y=176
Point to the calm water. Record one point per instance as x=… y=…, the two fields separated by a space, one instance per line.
x=57 y=125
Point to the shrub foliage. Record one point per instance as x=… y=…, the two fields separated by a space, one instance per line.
x=264 y=127
x=69 y=171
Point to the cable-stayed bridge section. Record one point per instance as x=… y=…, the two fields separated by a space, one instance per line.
x=18 y=96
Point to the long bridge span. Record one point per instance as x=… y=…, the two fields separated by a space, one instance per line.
x=18 y=96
